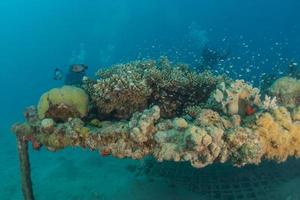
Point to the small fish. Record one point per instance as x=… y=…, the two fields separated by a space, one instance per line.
x=58 y=74
x=105 y=153
x=78 y=68
x=250 y=110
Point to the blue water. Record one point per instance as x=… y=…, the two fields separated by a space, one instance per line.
x=37 y=36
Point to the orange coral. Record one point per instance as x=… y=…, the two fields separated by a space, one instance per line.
x=280 y=136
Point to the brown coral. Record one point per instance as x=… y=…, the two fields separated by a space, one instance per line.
x=121 y=90
x=127 y=88
x=177 y=87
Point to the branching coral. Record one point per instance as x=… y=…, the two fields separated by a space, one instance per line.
x=177 y=87
x=121 y=90
x=127 y=88
x=269 y=103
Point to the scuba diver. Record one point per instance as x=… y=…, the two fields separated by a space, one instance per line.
x=74 y=76
x=212 y=57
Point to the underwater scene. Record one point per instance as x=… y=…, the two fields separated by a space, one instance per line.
x=146 y=100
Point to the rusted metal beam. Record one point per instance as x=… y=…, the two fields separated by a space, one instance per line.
x=25 y=168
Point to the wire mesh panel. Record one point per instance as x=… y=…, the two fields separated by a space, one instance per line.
x=222 y=181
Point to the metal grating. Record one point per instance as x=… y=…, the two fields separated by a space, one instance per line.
x=224 y=182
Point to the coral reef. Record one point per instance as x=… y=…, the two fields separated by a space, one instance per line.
x=63 y=103
x=124 y=89
x=204 y=140
x=169 y=112
x=287 y=91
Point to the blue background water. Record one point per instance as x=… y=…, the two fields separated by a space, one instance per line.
x=37 y=36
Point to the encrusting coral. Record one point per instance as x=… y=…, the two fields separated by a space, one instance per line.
x=142 y=124
x=203 y=141
x=178 y=116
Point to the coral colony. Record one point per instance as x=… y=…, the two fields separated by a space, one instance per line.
x=149 y=108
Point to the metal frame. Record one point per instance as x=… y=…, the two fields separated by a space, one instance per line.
x=25 y=170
